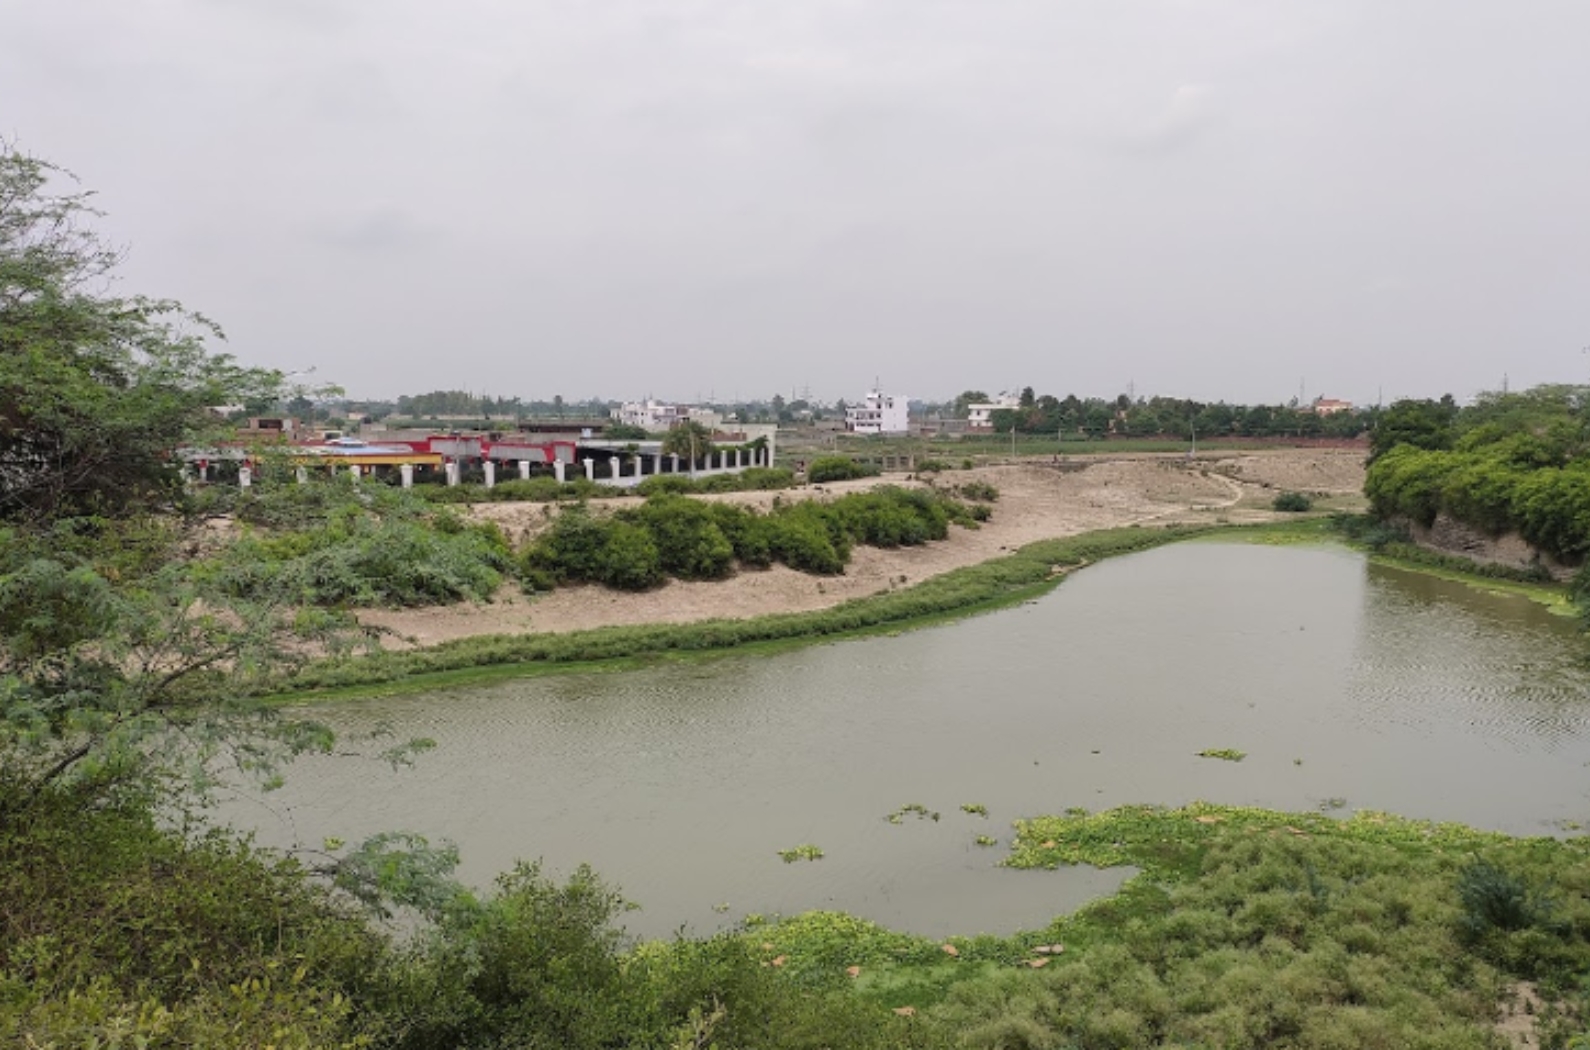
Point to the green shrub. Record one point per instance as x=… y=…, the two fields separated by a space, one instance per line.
x=977 y=491
x=688 y=539
x=1368 y=531
x=751 y=479
x=629 y=560
x=803 y=543
x=748 y=533
x=1292 y=502
x=664 y=484
x=364 y=561
x=837 y=468
x=1494 y=898
x=572 y=549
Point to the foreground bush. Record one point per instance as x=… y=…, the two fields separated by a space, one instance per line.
x=114 y=932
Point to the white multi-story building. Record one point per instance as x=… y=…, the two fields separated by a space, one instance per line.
x=650 y=415
x=879 y=413
x=980 y=416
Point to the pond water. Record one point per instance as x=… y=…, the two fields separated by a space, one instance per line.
x=1349 y=685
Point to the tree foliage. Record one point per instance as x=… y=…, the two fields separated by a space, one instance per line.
x=96 y=390
x=688 y=440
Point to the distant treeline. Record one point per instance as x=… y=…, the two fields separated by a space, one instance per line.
x=1168 y=416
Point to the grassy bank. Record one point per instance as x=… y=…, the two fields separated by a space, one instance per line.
x=1028 y=573
x=1004 y=581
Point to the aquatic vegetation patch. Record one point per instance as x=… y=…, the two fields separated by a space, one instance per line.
x=806 y=851
x=1225 y=754
x=913 y=809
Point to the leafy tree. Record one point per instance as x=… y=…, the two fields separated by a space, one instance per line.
x=688 y=440
x=95 y=390
x=1422 y=424
x=120 y=663
x=965 y=401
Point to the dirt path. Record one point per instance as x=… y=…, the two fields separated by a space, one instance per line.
x=1038 y=500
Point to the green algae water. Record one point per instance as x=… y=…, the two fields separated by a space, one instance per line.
x=1347 y=685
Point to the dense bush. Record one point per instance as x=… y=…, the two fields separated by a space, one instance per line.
x=687 y=537
x=114 y=932
x=398 y=555
x=581 y=547
x=804 y=542
x=1292 y=502
x=837 y=468
x=694 y=540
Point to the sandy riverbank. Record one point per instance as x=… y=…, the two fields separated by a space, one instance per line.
x=1038 y=500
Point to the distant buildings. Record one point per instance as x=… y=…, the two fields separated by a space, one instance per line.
x=879 y=413
x=980 y=417
x=1326 y=406
x=650 y=415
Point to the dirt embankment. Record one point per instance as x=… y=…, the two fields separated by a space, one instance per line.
x=1038 y=499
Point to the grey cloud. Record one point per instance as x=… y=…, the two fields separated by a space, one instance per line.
x=378 y=229
x=1210 y=198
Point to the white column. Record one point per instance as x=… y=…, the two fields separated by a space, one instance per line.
x=739 y=457
x=656 y=463
x=245 y=477
x=524 y=470
x=590 y=468
x=406 y=471
x=353 y=472
x=303 y=475
x=675 y=457
x=452 y=472
x=615 y=467
x=558 y=467
x=491 y=473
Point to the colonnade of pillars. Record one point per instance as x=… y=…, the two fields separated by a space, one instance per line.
x=742 y=458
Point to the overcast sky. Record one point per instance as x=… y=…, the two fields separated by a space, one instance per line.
x=1227 y=199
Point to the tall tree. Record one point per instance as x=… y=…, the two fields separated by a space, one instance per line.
x=108 y=638
x=96 y=390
